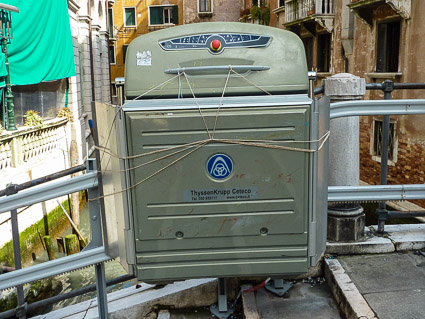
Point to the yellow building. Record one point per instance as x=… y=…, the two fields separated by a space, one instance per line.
x=130 y=18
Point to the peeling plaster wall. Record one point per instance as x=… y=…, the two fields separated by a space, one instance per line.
x=223 y=10
x=410 y=130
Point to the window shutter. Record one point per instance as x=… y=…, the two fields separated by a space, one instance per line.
x=155 y=14
x=175 y=14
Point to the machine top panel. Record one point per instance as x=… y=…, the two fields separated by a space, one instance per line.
x=226 y=102
x=203 y=58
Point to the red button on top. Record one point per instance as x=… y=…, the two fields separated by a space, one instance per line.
x=215 y=45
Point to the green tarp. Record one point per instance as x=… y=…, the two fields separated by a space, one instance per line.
x=3 y=70
x=41 y=49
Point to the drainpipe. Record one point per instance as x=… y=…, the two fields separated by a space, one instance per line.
x=93 y=90
x=109 y=55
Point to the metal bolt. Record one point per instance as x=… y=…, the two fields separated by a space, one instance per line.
x=179 y=234
x=264 y=231
x=94 y=217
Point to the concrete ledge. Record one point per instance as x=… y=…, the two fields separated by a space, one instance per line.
x=134 y=303
x=406 y=236
x=396 y=238
x=346 y=294
x=371 y=244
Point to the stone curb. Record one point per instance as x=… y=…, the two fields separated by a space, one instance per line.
x=350 y=301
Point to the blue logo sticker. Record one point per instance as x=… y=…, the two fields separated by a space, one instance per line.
x=219 y=166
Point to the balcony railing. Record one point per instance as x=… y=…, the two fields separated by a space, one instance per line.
x=30 y=143
x=301 y=9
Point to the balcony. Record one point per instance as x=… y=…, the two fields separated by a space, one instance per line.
x=364 y=8
x=299 y=12
x=113 y=33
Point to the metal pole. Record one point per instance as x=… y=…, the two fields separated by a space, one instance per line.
x=102 y=302
x=388 y=87
x=17 y=257
x=11 y=126
x=14 y=188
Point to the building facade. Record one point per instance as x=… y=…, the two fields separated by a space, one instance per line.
x=33 y=152
x=212 y=11
x=377 y=40
x=129 y=19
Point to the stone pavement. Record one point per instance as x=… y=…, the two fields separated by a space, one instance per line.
x=392 y=284
x=303 y=301
x=382 y=277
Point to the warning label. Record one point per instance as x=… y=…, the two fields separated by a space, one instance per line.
x=205 y=195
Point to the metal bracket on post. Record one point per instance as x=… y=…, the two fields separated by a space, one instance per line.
x=278 y=286
x=312 y=77
x=21 y=311
x=222 y=310
x=94 y=211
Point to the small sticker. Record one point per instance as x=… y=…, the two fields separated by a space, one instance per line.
x=144 y=58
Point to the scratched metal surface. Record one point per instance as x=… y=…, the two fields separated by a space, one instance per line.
x=188 y=225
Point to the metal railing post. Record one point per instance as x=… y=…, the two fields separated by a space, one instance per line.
x=102 y=301
x=388 y=87
x=20 y=311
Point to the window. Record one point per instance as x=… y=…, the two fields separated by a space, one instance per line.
x=46 y=98
x=163 y=15
x=112 y=54
x=124 y=52
x=281 y=3
x=308 y=45
x=204 y=6
x=129 y=17
x=261 y=3
x=376 y=145
x=388 y=46
x=111 y=22
x=324 y=52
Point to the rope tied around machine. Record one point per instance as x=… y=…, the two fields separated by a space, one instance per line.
x=194 y=146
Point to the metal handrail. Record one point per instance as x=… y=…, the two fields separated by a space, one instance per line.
x=377 y=107
x=236 y=68
x=93 y=254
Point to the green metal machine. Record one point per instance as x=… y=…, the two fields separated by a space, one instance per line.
x=224 y=153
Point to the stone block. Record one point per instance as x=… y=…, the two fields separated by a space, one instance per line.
x=342 y=228
x=345 y=86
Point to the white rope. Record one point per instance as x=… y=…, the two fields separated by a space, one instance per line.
x=199 y=107
x=221 y=100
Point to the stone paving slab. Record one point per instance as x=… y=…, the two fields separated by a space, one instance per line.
x=386 y=272
x=392 y=284
x=301 y=302
x=406 y=236
x=388 y=304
